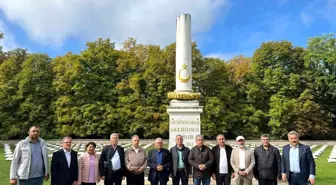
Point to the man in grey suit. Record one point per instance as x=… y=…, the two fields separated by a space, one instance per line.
x=180 y=168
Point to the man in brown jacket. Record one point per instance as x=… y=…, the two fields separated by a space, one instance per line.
x=201 y=159
x=136 y=162
x=242 y=162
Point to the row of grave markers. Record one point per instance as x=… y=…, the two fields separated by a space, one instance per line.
x=332 y=157
x=80 y=148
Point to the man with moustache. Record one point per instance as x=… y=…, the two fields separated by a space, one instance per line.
x=222 y=167
x=64 y=165
x=201 y=159
x=159 y=160
x=242 y=162
x=298 y=165
x=180 y=168
x=112 y=162
x=136 y=162
x=267 y=169
x=30 y=163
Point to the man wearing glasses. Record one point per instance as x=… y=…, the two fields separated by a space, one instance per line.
x=64 y=165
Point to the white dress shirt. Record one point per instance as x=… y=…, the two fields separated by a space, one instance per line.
x=68 y=157
x=116 y=161
x=223 y=163
x=242 y=159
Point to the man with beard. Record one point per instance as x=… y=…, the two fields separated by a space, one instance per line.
x=242 y=162
x=222 y=167
x=267 y=167
x=30 y=163
x=298 y=165
x=180 y=167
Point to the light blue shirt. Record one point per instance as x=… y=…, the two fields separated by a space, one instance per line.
x=180 y=159
x=116 y=161
x=294 y=160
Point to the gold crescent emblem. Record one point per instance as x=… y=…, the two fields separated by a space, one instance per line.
x=184 y=70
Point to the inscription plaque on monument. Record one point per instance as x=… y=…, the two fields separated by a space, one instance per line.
x=188 y=127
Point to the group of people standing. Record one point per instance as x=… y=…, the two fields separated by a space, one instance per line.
x=222 y=163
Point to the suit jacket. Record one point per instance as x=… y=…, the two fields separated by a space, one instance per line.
x=216 y=154
x=152 y=163
x=174 y=154
x=105 y=166
x=249 y=162
x=307 y=163
x=61 y=174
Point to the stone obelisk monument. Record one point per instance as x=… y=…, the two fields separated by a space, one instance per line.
x=184 y=110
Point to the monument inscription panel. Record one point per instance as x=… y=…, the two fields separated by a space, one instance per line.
x=186 y=125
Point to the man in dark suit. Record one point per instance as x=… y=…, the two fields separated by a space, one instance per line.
x=64 y=165
x=267 y=169
x=180 y=167
x=222 y=167
x=158 y=160
x=298 y=165
x=112 y=162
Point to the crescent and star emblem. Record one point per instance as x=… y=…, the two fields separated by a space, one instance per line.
x=184 y=74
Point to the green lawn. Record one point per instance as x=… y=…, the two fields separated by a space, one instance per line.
x=325 y=172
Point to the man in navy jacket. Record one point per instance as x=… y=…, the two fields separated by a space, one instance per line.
x=298 y=165
x=159 y=161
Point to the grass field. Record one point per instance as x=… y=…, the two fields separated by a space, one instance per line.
x=325 y=172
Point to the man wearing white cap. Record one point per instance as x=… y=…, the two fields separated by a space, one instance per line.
x=242 y=162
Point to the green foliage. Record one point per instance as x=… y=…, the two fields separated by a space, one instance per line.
x=103 y=90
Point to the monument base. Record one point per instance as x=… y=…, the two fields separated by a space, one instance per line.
x=184 y=119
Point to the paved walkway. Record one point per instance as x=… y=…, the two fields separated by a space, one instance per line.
x=213 y=182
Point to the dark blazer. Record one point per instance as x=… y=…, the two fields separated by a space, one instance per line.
x=216 y=154
x=61 y=174
x=307 y=163
x=185 y=153
x=152 y=163
x=197 y=157
x=267 y=166
x=105 y=166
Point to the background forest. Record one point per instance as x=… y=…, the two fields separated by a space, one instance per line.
x=103 y=90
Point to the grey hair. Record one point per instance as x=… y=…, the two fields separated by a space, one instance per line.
x=178 y=136
x=66 y=137
x=114 y=134
x=293 y=133
x=158 y=139
x=264 y=135
x=220 y=135
x=135 y=136
x=199 y=136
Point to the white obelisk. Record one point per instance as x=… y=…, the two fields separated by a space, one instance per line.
x=184 y=110
x=183 y=54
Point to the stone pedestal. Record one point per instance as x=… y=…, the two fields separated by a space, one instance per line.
x=184 y=119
